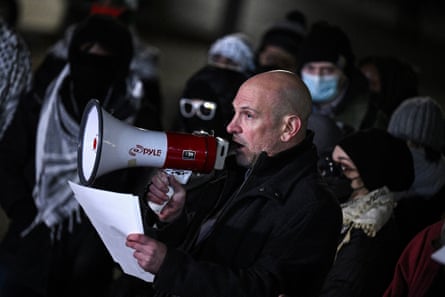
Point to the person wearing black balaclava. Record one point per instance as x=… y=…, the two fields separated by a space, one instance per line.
x=52 y=249
x=142 y=80
x=206 y=100
x=98 y=56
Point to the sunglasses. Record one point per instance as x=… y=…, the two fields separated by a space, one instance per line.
x=205 y=110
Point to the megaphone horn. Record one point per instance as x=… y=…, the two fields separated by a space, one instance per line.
x=107 y=144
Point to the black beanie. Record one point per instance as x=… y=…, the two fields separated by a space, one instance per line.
x=381 y=159
x=110 y=33
x=326 y=42
x=200 y=89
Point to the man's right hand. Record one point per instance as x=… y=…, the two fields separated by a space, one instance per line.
x=157 y=194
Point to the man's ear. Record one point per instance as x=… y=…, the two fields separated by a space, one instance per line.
x=291 y=126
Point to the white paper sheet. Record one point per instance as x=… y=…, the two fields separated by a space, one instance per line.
x=439 y=255
x=114 y=215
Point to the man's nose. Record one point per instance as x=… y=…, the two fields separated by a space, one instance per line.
x=318 y=71
x=231 y=127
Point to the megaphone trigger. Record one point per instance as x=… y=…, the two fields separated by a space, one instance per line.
x=181 y=175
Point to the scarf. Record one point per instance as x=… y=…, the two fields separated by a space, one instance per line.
x=369 y=212
x=56 y=164
x=15 y=76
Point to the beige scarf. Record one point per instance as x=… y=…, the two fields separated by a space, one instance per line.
x=368 y=213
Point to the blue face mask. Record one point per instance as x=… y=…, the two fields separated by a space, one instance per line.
x=322 y=88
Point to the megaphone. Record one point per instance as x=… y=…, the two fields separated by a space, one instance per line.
x=107 y=144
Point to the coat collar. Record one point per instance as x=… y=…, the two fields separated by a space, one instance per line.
x=298 y=153
x=275 y=176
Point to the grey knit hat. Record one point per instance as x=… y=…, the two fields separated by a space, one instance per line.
x=237 y=47
x=421 y=120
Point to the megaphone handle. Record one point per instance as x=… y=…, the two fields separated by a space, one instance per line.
x=182 y=176
x=157 y=208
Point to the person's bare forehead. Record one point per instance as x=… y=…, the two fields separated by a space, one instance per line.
x=256 y=96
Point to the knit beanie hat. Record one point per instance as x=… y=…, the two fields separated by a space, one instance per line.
x=287 y=33
x=197 y=88
x=381 y=159
x=236 y=47
x=327 y=43
x=421 y=120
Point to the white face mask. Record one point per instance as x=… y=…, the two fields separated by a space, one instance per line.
x=322 y=88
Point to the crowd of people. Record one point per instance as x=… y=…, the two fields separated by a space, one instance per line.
x=334 y=184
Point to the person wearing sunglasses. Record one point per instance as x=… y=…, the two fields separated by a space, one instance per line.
x=199 y=110
x=206 y=101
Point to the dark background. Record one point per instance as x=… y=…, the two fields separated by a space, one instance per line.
x=183 y=30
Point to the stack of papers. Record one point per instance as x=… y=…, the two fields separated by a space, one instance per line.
x=114 y=215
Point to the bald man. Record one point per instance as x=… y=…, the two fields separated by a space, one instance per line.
x=263 y=226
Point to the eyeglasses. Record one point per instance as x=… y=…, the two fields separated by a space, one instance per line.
x=205 y=110
x=329 y=167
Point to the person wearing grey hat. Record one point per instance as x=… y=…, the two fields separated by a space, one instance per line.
x=234 y=52
x=420 y=122
x=206 y=99
x=376 y=164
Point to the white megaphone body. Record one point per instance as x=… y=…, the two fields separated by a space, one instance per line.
x=107 y=144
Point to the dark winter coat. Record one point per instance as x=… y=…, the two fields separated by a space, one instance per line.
x=364 y=266
x=276 y=232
